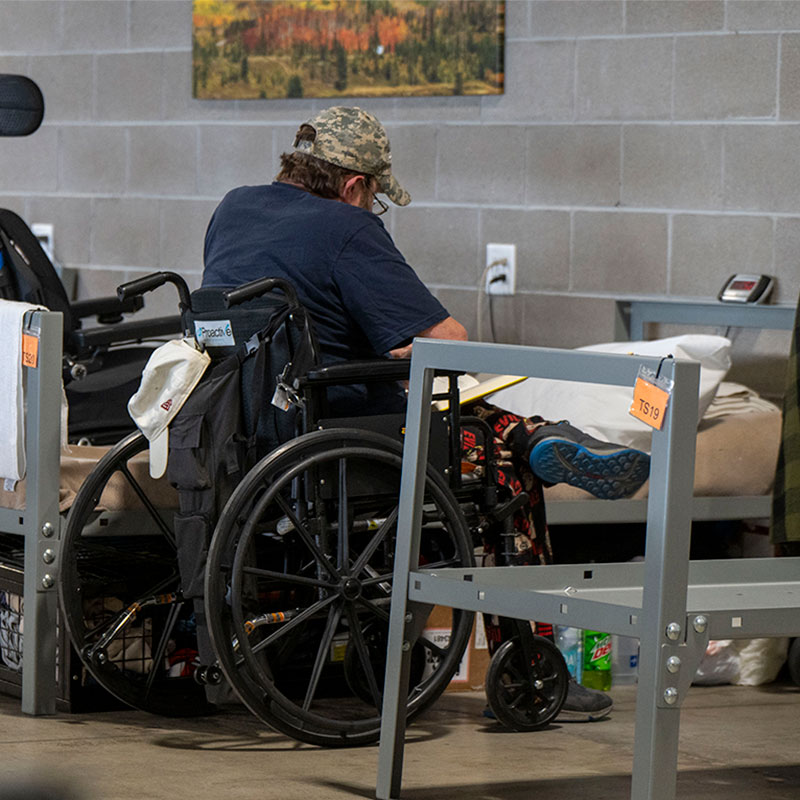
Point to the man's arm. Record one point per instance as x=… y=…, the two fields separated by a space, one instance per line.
x=448 y=328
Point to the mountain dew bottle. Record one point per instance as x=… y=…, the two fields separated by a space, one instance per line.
x=597 y=660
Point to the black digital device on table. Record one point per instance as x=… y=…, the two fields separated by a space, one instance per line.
x=746 y=288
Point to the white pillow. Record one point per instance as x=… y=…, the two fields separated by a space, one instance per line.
x=602 y=411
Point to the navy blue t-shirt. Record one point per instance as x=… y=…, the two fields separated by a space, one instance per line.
x=361 y=293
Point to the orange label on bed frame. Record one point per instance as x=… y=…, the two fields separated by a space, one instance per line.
x=30 y=350
x=649 y=403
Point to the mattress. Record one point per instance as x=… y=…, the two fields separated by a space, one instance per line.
x=736 y=455
x=76 y=465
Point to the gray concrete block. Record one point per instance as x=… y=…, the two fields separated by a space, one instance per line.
x=234 y=155
x=555 y=18
x=624 y=79
x=414 y=158
x=542 y=240
x=721 y=77
x=66 y=83
x=563 y=320
x=29 y=27
x=707 y=250
x=161 y=23
x=15 y=203
x=163 y=160
x=71 y=220
x=427 y=109
x=87 y=23
x=124 y=232
x=573 y=165
x=787 y=261
x=92 y=282
x=92 y=159
x=182 y=233
x=789 y=93
x=674 y=16
x=672 y=166
x=441 y=244
x=462 y=304
x=624 y=253
x=128 y=86
x=30 y=163
x=517 y=18
x=762 y=169
x=480 y=164
x=763 y=15
x=539 y=83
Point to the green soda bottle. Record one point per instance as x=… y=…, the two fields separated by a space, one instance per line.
x=597 y=660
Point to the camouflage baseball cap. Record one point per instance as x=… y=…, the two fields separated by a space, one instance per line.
x=355 y=140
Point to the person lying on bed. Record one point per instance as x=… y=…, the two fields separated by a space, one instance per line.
x=318 y=225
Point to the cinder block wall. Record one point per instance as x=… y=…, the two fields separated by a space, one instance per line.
x=641 y=147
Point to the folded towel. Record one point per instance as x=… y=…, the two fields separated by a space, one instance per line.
x=12 y=403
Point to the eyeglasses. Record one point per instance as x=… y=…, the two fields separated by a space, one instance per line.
x=379 y=204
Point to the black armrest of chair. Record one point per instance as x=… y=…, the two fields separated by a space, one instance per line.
x=109 y=310
x=369 y=371
x=86 y=341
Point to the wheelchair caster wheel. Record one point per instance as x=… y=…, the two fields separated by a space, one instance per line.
x=522 y=698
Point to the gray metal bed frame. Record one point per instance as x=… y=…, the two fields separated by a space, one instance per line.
x=631 y=317
x=39 y=523
x=671 y=604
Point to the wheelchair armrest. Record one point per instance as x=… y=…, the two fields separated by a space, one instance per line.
x=368 y=371
x=86 y=341
x=109 y=310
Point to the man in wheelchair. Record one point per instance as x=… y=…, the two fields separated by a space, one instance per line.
x=318 y=227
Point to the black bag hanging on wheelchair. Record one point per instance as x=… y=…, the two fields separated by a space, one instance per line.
x=227 y=424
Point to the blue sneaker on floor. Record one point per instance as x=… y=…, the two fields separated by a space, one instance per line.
x=561 y=453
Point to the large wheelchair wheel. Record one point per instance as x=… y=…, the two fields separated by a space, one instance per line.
x=299 y=582
x=120 y=588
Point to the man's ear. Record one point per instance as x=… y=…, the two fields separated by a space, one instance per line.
x=353 y=189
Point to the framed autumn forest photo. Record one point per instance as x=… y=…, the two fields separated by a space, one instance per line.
x=270 y=49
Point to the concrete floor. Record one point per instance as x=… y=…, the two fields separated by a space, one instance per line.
x=736 y=743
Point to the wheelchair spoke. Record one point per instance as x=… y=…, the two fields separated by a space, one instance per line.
x=286 y=577
x=429 y=645
x=334 y=615
x=343 y=559
x=156 y=517
x=293 y=623
x=379 y=536
x=380 y=613
x=307 y=538
x=447 y=562
x=158 y=655
x=357 y=637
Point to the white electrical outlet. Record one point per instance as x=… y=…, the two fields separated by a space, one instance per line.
x=501 y=275
x=43 y=231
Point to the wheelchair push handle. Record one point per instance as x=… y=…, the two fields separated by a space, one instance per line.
x=141 y=285
x=259 y=287
x=153 y=281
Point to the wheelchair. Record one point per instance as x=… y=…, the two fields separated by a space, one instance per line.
x=103 y=363
x=285 y=586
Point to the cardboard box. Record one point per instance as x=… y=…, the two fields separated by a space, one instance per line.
x=471 y=673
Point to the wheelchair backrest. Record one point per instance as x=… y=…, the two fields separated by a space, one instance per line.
x=274 y=342
x=26 y=273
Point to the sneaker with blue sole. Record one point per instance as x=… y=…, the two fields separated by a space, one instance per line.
x=561 y=453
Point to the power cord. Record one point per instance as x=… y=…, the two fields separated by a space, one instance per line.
x=482 y=293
